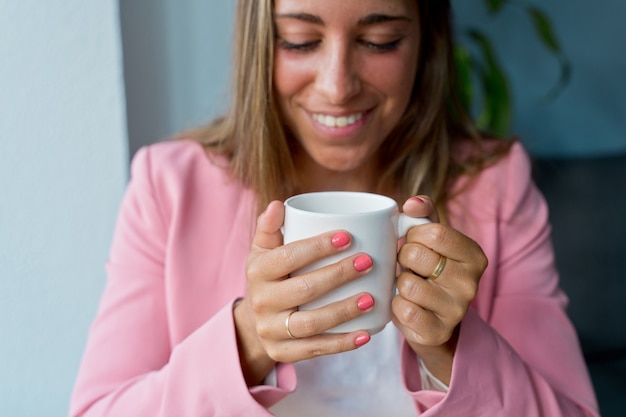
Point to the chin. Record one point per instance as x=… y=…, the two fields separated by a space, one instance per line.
x=343 y=165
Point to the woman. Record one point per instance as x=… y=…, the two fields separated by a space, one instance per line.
x=199 y=318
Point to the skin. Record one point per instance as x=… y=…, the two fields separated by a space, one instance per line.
x=339 y=73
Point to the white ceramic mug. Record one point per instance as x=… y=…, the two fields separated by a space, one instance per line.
x=375 y=224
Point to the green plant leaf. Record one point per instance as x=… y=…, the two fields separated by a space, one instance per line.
x=463 y=75
x=564 y=78
x=494 y=6
x=543 y=29
x=496 y=113
x=545 y=33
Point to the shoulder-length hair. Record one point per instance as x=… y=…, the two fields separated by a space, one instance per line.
x=417 y=157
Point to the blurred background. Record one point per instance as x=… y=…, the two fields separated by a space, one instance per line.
x=85 y=84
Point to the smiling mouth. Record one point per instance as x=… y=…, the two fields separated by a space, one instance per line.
x=342 y=121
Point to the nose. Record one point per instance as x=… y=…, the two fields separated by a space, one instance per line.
x=337 y=78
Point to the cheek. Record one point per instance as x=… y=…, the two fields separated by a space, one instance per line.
x=395 y=78
x=290 y=75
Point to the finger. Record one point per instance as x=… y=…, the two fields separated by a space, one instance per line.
x=446 y=305
x=419 y=324
x=286 y=259
x=445 y=241
x=302 y=289
x=310 y=286
x=307 y=323
x=294 y=350
x=422 y=292
x=420 y=206
x=268 y=235
x=423 y=261
x=459 y=280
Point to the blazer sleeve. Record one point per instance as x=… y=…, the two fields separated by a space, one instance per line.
x=518 y=354
x=130 y=366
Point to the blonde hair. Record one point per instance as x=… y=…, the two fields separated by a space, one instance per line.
x=417 y=158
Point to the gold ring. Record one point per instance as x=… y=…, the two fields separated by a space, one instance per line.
x=439 y=268
x=287 y=325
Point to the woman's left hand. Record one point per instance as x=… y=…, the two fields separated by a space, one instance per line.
x=433 y=297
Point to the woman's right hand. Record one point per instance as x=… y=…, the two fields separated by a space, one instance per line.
x=260 y=317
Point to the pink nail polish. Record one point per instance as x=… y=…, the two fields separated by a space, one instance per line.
x=365 y=302
x=362 y=339
x=362 y=263
x=340 y=239
x=418 y=199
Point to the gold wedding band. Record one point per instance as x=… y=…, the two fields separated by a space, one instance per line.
x=438 y=269
x=287 y=325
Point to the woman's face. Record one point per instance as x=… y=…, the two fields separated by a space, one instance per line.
x=343 y=75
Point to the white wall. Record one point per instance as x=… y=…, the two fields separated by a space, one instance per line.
x=63 y=168
x=177 y=64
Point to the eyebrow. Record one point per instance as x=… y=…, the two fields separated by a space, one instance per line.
x=371 y=19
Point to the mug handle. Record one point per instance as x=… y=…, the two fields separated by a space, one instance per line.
x=406 y=222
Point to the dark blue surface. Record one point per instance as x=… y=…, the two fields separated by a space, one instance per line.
x=587 y=200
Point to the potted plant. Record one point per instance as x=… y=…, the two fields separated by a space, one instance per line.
x=484 y=87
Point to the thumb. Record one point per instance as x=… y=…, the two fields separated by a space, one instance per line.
x=420 y=206
x=268 y=234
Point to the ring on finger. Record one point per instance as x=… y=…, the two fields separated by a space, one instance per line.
x=439 y=268
x=291 y=336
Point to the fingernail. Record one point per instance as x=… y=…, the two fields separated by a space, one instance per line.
x=362 y=339
x=418 y=199
x=340 y=239
x=365 y=302
x=362 y=263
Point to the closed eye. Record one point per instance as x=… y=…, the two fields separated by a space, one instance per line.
x=382 y=47
x=299 y=47
x=309 y=46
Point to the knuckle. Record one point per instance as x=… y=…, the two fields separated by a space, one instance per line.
x=437 y=234
x=275 y=354
x=467 y=289
x=256 y=306
x=344 y=272
x=257 y=303
x=406 y=312
x=410 y=255
x=263 y=329
x=346 y=312
x=305 y=286
x=287 y=256
x=254 y=271
x=484 y=262
x=457 y=312
x=408 y=286
x=481 y=262
x=320 y=246
x=319 y=349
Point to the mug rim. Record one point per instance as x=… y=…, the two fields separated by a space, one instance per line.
x=389 y=203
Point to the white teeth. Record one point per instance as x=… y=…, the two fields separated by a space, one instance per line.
x=342 y=121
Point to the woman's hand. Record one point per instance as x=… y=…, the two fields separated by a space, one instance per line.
x=272 y=298
x=428 y=310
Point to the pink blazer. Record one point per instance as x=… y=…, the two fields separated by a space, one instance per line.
x=163 y=342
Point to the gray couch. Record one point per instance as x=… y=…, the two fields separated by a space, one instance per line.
x=587 y=200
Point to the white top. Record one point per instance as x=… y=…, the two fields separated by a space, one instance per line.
x=366 y=382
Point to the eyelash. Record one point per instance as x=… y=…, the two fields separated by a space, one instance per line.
x=382 y=47
x=309 y=46
x=298 y=47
